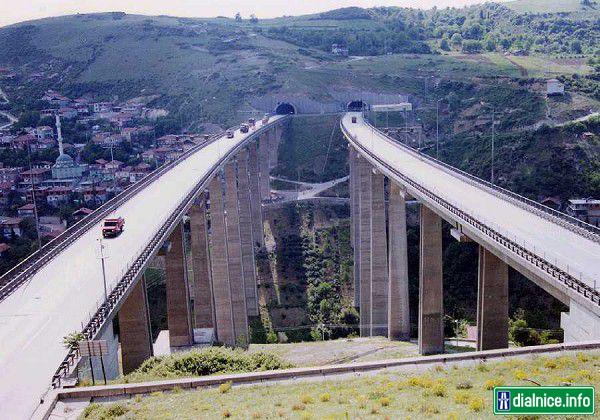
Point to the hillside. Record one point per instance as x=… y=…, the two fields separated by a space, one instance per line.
x=552 y=6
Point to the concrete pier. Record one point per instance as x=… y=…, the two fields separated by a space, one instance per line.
x=234 y=256
x=492 y=302
x=248 y=263
x=255 y=197
x=365 y=172
x=178 y=299
x=398 y=306
x=274 y=137
x=379 y=267
x=355 y=220
x=203 y=299
x=431 y=307
x=263 y=162
x=134 y=326
x=218 y=262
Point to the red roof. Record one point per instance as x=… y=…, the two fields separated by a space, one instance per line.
x=4 y=247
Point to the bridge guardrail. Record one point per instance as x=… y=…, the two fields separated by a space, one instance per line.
x=19 y=274
x=575 y=225
x=551 y=269
x=104 y=311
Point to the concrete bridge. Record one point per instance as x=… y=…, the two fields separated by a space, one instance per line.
x=557 y=252
x=221 y=187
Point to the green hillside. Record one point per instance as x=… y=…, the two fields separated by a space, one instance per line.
x=551 y=6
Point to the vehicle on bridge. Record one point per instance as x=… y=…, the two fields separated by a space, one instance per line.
x=112 y=227
x=229 y=134
x=354 y=120
x=244 y=128
x=265 y=119
x=252 y=122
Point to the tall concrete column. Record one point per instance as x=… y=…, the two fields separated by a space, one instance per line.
x=218 y=263
x=398 y=306
x=431 y=308
x=248 y=262
x=234 y=256
x=379 y=267
x=365 y=246
x=203 y=299
x=492 y=302
x=255 y=200
x=134 y=326
x=274 y=137
x=355 y=220
x=178 y=298
x=263 y=162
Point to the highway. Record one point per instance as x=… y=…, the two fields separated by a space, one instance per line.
x=566 y=249
x=60 y=297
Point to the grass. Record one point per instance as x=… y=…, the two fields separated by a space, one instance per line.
x=437 y=393
x=545 y=6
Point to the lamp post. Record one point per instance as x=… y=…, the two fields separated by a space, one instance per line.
x=102 y=257
x=437 y=128
x=486 y=105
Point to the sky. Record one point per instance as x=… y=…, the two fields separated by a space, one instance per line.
x=34 y=9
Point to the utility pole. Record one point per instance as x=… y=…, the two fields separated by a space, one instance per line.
x=102 y=257
x=437 y=129
x=32 y=182
x=493 y=141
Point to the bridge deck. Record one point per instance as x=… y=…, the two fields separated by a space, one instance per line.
x=62 y=295
x=573 y=253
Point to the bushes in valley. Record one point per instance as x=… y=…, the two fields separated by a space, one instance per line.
x=207 y=361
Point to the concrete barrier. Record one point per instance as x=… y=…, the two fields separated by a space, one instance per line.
x=47 y=406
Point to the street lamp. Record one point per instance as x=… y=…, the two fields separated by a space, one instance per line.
x=437 y=128
x=102 y=256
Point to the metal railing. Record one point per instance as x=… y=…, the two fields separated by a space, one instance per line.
x=133 y=270
x=555 y=272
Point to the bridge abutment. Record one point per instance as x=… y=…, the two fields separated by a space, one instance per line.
x=398 y=305
x=431 y=310
x=134 y=326
x=492 y=302
x=178 y=299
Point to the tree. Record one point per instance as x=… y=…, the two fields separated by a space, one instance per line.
x=471 y=47
x=238 y=17
x=576 y=46
x=444 y=45
x=456 y=39
x=253 y=18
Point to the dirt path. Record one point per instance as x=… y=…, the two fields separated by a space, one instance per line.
x=522 y=70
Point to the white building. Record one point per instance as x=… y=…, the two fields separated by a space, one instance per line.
x=554 y=87
x=586 y=209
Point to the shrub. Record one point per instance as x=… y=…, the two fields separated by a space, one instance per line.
x=207 y=362
x=306 y=399
x=492 y=383
x=116 y=410
x=462 y=397
x=298 y=407
x=226 y=414
x=550 y=364
x=225 y=387
x=324 y=397
x=464 y=385
x=439 y=390
x=476 y=404
x=90 y=409
x=385 y=401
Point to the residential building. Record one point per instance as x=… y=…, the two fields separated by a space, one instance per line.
x=339 y=49
x=9 y=226
x=554 y=87
x=37 y=175
x=27 y=210
x=586 y=209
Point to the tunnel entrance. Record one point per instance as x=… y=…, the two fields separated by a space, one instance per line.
x=285 y=108
x=356 y=105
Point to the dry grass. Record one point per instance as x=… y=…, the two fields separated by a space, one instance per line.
x=452 y=393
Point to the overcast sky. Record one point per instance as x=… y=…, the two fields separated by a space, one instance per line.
x=34 y=9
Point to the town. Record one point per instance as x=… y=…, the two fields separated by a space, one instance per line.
x=73 y=158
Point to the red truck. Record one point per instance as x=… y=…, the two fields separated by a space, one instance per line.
x=112 y=227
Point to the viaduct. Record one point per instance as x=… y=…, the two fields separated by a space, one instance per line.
x=220 y=187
